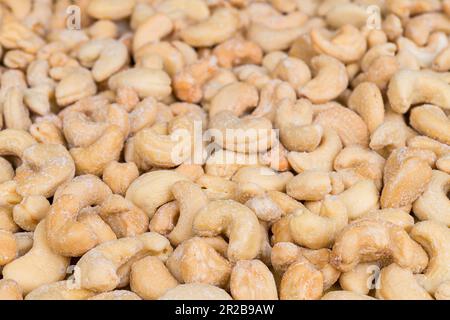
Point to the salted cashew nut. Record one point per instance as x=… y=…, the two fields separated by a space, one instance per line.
x=431 y=121
x=406 y=176
x=330 y=80
x=381 y=241
x=318 y=231
x=195 y=10
x=423 y=55
x=190 y=200
x=321 y=158
x=217 y=187
x=61 y=290
x=348 y=124
x=39 y=266
x=158 y=26
x=166 y=150
x=236 y=97
x=104 y=56
x=110 y=10
x=196 y=261
x=150 y=278
x=164 y=219
x=252 y=280
x=116 y=295
x=420 y=27
x=284 y=254
x=359 y=279
x=108 y=265
x=264 y=177
x=408 y=87
x=145 y=81
x=345 y=295
x=347 y=45
x=220 y=26
x=196 y=291
x=244 y=135
x=292 y=70
x=237 y=51
x=119 y=176
x=408 y=8
x=30 y=211
x=399 y=217
x=398 y=283
x=309 y=185
x=393 y=133
x=443 y=291
x=367 y=101
x=67 y=232
x=10 y=290
x=301 y=281
x=265 y=208
x=44 y=168
x=6 y=170
x=153 y=189
x=124 y=218
x=15 y=113
x=433 y=236
x=236 y=221
x=362 y=162
x=273 y=93
x=75 y=85
x=94 y=158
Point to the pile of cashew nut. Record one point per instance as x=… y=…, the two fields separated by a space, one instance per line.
x=341 y=191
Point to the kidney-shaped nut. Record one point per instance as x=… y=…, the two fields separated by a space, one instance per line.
x=119 y=176
x=10 y=290
x=8 y=246
x=236 y=97
x=367 y=101
x=349 y=126
x=252 y=280
x=222 y=24
x=150 y=278
x=39 y=266
x=110 y=10
x=30 y=211
x=94 y=158
x=309 y=185
x=195 y=261
x=153 y=189
x=347 y=45
x=318 y=231
x=434 y=237
x=373 y=240
x=244 y=135
x=196 y=291
x=236 y=221
x=190 y=200
x=14 y=142
x=74 y=86
x=431 y=121
x=409 y=87
x=108 y=265
x=44 y=168
x=105 y=56
x=321 y=158
x=124 y=218
x=434 y=204
x=330 y=80
x=237 y=51
x=406 y=176
x=264 y=177
x=301 y=281
x=145 y=81
x=398 y=283
x=61 y=290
